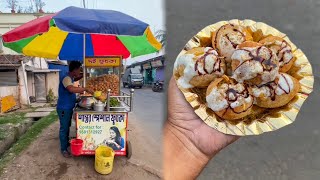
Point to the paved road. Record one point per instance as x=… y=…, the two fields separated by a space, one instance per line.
x=148 y=117
x=148 y=110
x=289 y=153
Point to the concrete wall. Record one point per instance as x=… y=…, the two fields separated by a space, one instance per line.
x=30 y=79
x=18 y=92
x=52 y=79
x=10 y=90
x=23 y=93
x=40 y=63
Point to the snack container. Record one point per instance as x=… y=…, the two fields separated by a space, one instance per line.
x=262 y=120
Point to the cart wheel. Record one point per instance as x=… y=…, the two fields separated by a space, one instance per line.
x=129 y=150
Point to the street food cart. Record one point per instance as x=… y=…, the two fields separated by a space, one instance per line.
x=93 y=37
x=105 y=126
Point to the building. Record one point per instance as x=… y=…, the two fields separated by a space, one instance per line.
x=152 y=69
x=20 y=76
x=25 y=77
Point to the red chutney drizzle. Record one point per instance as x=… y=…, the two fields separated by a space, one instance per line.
x=273 y=85
x=234 y=45
x=236 y=94
x=284 y=52
x=267 y=64
x=203 y=59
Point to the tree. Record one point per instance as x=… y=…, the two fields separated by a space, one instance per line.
x=20 y=9
x=162 y=37
x=12 y=4
x=35 y=7
x=39 y=5
x=28 y=9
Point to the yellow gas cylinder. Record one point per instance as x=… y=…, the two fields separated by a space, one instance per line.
x=104 y=156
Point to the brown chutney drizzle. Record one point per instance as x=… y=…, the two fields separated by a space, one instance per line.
x=284 y=52
x=273 y=85
x=203 y=59
x=267 y=64
x=236 y=94
x=234 y=45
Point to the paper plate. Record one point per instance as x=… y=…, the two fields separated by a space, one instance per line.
x=263 y=120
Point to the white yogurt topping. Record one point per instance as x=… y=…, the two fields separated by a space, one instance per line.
x=285 y=84
x=226 y=47
x=217 y=99
x=189 y=61
x=250 y=69
x=287 y=56
x=262 y=91
x=241 y=100
x=189 y=72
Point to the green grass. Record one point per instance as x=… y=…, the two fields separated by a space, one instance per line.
x=25 y=140
x=2 y=134
x=13 y=118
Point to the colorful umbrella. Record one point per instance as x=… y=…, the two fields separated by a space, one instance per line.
x=61 y=35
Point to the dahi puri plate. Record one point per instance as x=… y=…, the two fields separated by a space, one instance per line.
x=261 y=119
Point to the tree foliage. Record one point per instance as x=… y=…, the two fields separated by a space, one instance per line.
x=12 y=4
x=34 y=7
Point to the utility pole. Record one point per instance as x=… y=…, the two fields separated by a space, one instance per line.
x=84 y=3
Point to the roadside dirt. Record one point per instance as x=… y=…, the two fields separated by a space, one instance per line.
x=42 y=160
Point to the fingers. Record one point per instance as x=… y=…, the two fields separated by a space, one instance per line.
x=175 y=96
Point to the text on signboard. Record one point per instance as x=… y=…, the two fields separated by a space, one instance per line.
x=88 y=118
x=102 y=61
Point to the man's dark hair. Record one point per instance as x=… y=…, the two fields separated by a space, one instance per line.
x=74 y=65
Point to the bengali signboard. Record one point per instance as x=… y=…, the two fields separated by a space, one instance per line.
x=156 y=63
x=102 y=128
x=107 y=61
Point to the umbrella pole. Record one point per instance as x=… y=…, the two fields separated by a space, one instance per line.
x=84 y=61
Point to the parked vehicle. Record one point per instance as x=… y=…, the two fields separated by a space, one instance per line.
x=132 y=78
x=157 y=86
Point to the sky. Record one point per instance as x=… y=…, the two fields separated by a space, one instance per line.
x=148 y=11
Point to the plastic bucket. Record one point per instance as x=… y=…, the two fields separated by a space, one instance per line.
x=76 y=146
x=104 y=157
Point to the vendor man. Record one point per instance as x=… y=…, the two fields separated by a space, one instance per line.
x=66 y=103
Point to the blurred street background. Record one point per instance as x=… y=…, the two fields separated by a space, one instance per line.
x=293 y=151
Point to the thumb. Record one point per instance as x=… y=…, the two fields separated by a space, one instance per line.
x=175 y=96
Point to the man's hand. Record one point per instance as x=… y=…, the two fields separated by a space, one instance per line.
x=182 y=117
x=88 y=90
x=111 y=141
x=195 y=139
